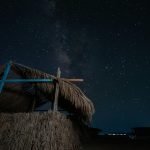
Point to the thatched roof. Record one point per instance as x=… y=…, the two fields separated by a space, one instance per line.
x=15 y=99
x=39 y=131
x=71 y=98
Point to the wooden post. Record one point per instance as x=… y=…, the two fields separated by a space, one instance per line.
x=57 y=91
x=34 y=99
x=6 y=71
x=73 y=80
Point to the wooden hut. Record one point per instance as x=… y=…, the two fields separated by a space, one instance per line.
x=21 y=128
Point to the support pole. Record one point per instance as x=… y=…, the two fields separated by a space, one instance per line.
x=27 y=80
x=57 y=91
x=34 y=99
x=6 y=71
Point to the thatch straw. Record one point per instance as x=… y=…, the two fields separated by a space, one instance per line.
x=71 y=98
x=15 y=99
x=38 y=131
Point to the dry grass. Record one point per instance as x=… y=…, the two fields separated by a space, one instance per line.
x=15 y=99
x=38 y=131
x=71 y=98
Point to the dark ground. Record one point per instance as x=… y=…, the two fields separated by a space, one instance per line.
x=118 y=144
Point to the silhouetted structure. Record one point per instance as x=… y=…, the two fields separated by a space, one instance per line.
x=21 y=128
x=141 y=133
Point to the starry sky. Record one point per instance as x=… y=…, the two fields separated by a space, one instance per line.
x=105 y=42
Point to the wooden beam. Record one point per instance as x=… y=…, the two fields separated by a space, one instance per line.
x=34 y=99
x=27 y=80
x=73 y=80
x=6 y=71
x=56 y=92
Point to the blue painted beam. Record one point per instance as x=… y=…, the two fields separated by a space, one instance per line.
x=27 y=80
x=6 y=71
x=5 y=80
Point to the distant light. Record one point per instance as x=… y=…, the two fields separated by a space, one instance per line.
x=117 y=134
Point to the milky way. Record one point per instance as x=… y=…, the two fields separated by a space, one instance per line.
x=104 y=42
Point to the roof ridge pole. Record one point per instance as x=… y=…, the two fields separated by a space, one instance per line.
x=55 y=106
x=6 y=71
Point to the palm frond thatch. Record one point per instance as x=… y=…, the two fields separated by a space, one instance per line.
x=71 y=98
x=39 y=131
x=15 y=99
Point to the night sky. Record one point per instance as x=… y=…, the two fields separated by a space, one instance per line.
x=105 y=42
